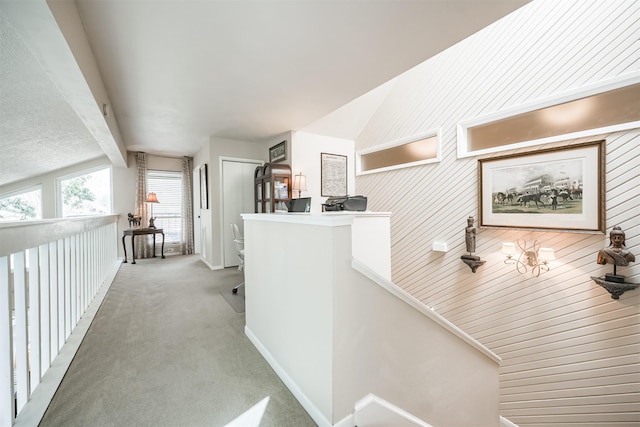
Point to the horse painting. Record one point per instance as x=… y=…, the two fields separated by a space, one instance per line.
x=526 y=199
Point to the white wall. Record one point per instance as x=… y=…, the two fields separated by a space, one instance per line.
x=305 y=157
x=210 y=219
x=570 y=352
x=335 y=333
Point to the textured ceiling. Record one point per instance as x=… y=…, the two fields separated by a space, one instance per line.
x=177 y=73
x=37 y=125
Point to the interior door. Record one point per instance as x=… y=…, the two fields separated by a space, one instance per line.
x=237 y=198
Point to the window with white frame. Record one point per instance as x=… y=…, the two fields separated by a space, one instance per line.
x=407 y=152
x=85 y=193
x=21 y=205
x=168 y=211
x=599 y=108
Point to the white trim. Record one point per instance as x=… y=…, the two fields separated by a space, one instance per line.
x=34 y=410
x=21 y=191
x=371 y=399
x=329 y=219
x=306 y=403
x=407 y=140
x=211 y=266
x=348 y=421
x=572 y=95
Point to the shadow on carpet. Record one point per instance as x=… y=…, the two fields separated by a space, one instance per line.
x=236 y=301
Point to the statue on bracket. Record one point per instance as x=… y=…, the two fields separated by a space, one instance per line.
x=473 y=261
x=618 y=255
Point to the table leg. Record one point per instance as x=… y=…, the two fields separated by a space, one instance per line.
x=125 y=249
x=162 y=250
x=154 y=245
x=133 y=249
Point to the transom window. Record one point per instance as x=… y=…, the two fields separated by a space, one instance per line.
x=601 y=108
x=404 y=153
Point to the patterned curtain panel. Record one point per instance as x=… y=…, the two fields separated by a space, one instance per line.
x=144 y=247
x=187 y=246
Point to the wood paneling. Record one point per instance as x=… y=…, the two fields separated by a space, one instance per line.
x=570 y=352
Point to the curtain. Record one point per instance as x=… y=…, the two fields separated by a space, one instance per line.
x=144 y=249
x=187 y=246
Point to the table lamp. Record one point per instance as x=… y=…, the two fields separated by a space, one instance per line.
x=152 y=198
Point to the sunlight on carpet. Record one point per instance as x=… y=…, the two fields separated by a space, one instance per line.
x=252 y=416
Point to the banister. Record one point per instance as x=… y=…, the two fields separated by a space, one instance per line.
x=19 y=235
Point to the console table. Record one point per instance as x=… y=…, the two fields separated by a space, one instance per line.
x=133 y=232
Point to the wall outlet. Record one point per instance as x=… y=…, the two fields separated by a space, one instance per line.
x=440 y=246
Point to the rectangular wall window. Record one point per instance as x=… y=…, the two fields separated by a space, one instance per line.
x=85 y=193
x=21 y=205
x=168 y=211
x=412 y=151
x=602 y=108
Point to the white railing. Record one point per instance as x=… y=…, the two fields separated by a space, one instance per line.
x=50 y=271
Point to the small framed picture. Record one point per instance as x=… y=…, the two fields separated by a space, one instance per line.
x=278 y=152
x=560 y=189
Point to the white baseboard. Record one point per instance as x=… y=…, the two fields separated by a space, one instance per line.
x=373 y=410
x=306 y=403
x=34 y=410
x=347 y=421
x=211 y=267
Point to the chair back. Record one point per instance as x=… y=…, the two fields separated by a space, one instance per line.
x=236 y=232
x=238 y=241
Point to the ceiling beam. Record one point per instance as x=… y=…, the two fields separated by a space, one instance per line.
x=54 y=35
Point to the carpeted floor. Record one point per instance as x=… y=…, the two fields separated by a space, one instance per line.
x=167 y=349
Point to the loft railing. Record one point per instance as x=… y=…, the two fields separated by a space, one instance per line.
x=50 y=272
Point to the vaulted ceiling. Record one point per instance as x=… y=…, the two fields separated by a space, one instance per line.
x=82 y=79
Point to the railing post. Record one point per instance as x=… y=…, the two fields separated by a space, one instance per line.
x=20 y=332
x=45 y=309
x=53 y=301
x=34 y=318
x=7 y=403
x=61 y=296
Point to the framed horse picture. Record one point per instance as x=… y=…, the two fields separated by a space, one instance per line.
x=558 y=189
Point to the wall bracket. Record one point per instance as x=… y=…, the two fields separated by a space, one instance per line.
x=615 y=288
x=472 y=261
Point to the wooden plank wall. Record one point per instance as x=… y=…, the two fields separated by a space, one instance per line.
x=570 y=352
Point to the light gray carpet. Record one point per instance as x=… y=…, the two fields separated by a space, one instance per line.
x=236 y=301
x=166 y=349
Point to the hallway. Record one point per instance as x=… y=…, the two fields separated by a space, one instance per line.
x=166 y=349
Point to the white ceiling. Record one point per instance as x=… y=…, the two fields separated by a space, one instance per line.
x=177 y=72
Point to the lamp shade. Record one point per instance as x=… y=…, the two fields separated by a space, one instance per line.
x=152 y=198
x=299 y=182
x=509 y=248
x=546 y=254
